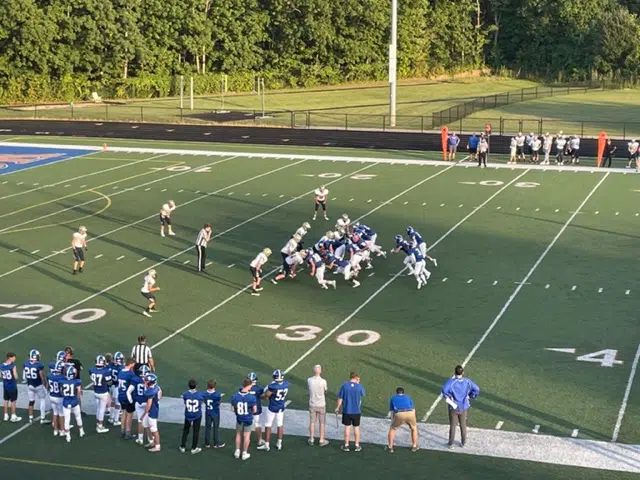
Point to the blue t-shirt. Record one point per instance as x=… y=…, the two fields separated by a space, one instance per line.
x=473 y=141
x=8 y=379
x=115 y=370
x=278 y=396
x=399 y=402
x=101 y=378
x=257 y=391
x=32 y=373
x=152 y=393
x=54 y=384
x=192 y=404
x=212 y=402
x=243 y=404
x=69 y=390
x=124 y=380
x=351 y=394
x=138 y=390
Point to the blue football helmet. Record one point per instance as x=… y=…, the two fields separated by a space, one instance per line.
x=61 y=356
x=144 y=371
x=398 y=238
x=100 y=361
x=410 y=230
x=252 y=376
x=58 y=367
x=151 y=378
x=118 y=358
x=278 y=375
x=34 y=355
x=70 y=373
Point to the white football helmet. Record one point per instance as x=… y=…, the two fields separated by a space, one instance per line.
x=153 y=273
x=306 y=226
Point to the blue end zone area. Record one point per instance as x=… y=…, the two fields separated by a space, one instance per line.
x=14 y=158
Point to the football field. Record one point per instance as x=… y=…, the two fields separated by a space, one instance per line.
x=534 y=293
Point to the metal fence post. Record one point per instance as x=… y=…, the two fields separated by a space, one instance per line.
x=422 y=124
x=624 y=131
x=308 y=119
x=142 y=114
x=106 y=112
x=384 y=122
x=71 y=110
x=460 y=125
x=293 y=119
x=346 y=121
x=522 y=94
x=536 y=92
x=520 y=125
x=182 y=115
x=35 y=112
x=541 y=124
x=581 y=129
x=501 y=126
x=507 y=98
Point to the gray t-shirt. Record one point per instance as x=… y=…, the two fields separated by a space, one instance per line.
x=317 y=388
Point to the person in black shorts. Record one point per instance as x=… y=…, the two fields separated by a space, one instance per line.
x=349 y=398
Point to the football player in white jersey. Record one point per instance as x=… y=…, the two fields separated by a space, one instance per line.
x=79 y=246
x=148 y=288
x=320 y=200
x=255 y=267
x=289 y=267
x=304 y=228
x=165 y=217
x=343 y=224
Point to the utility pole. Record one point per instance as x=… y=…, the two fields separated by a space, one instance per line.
x=393 y=63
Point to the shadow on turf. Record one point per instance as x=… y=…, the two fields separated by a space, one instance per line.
x=418 y=378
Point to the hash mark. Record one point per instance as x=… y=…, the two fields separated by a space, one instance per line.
x=460 y=206
x=247 y=194
x=470 y=280
x=334 y=198
x=557 y=210
x=208 y=263
x=180 y=191
x=372 y=274
x=424 y=204
x=442 y=204
x=120 y=257
x=36 y=184
x=281 y=196
x=617 y=213
x=627 y=292
x=537 y=209
x=573 y=288
x=231 y=265
x=444 y=279
x=547 y=286
x=19 y=183
x=67 y=185
x=406 y=203
x=197 y=192
x=600 y=290
x=147 y=189
x=536 y=429
x=185 y=262
x=230 y=193
x=14 y=250
x=597 y=212
x=142 y=259
x=369 y=201
x=498 y=208
x=264 y=194
x=115 y=188
x=499 y=425
x=34 y=252
x=517 y=208
x=574 y=434
x=98 y=256
x=495 y=282
x=351 y=200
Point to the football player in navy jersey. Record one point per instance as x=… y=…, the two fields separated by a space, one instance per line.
x=124 y=381
x=60 y=357
x=10 y=387
x=71 y=387
x=341 y=266
x=416 y=241
x=135 y=391
x=276 y=392
x=419 y=270
x=153 y=394
x=369 y=236
x=55 y=397
x=101 y=379
x=405 y=247
x=318 y=269
x=244 y=406
x=258 y=392
x=33 y=373
x=193 y=401
x=115 y=364
x=212 y=401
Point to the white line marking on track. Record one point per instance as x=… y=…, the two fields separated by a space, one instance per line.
x=625 y=399
x=519 y=287
x=120 y=257
x=231 y=266
x=388 y=282
x=196 y=192
x=574 y=434
x=406 y=203
x=557 y=210
x=499 y=425
x=34 y=252
x=98 y=256
x=424 y=203
x=351 y=200
x=334 y=198
x=142 y=259
x=16 y=432
x=536 y=429
x=517 y=208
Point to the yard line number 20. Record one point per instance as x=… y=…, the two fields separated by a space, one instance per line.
x=35 y=311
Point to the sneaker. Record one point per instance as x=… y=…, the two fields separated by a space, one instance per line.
x=236 y=454
x=278 y=446
x=139 y=441
x=264 y=446
x=196 y=450
x=389 y=449
x=155 y=448
x=74 y=272
x=162 y=234
x=358 y=448
x=149 y=445
x=368 y=267
x=80 y=270
x=333 y=284
x=117 y=423
x=6 y=417
x=55 y=433
x=323 y=443
x=450 y=446
x=462 y=445
x=30 y=419
x=146 y=314
x=310 y=442
x=67 y=436
x=101 y=429
x=435 y=262
x=428 y=274
x=82 y=432
x=415 y=449
x=172 y=233
x=246 y=456
x=326 y=218
x=419 y=285
x=219 y=445
x=182 y=449
x=255 y=294
x=314 y=217
x=15 y=419
x=324 y=287
x=274 y=282
x=356 y=284
x=259 y=289
x=344 y=448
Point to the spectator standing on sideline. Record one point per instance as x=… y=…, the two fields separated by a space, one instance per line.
x=193 y=400
x=141 y=353
x=547 y=142
x=402 y=413
x=535 y=150
x=457 y=391
x=484 y=150
x=633 y=147
x=529 y=143
x=201 y=246
x=513 y=145
x=212 y=400
x=350 y=399
x=317 y=405
x=520 y=146
x=608 y=154
x=452 y=142
x=10 y=386
x=561 y=143
x=472 y=146
x=244 y=406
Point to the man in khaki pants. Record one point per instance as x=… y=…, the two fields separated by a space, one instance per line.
x=317 y=404
x=403 y=413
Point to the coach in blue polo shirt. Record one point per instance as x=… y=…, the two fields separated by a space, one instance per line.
x=457 y=391
x=402 y=413
x=472 y=146
x=350 y=398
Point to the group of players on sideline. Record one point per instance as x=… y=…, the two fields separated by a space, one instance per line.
x=123 y=388
x=534 y=146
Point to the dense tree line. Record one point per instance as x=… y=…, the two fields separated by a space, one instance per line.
x=64 y=49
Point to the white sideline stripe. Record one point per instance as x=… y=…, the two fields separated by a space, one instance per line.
x=129 y=224
x=137 y=274
x=519 y=287
x=396 y=161
x=388 y=282
x=483 y=442
x=625 y=399
x=142 y=259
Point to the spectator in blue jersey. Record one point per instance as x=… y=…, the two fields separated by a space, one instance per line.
x=193 y=400
x=402 y=413
x=457 y=391
x=452 y=144
x=350 y=399
x=244 y=406
x=472 y=146
x=212 y=400
x=10 y=386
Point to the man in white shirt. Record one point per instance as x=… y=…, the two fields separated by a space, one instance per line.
x=79 y=245
x=317 y=405
x=165 y=217
x=634 y=152
x=520 y=146
x=320 y=199
x=561 y=143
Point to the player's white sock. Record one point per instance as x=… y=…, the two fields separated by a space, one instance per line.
x=141 y=437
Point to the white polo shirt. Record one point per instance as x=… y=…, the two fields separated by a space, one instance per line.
x=317 y=389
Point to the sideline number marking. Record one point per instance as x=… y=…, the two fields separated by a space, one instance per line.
x=303 y=333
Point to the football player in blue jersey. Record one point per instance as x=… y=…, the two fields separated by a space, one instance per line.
x=55 y=397
x=405 y=247
x=276 y=392
x=33 y=373
x=318 y=269
x=369 y=237
x=71 y=387
x=258 y=392
x=101 y=379
x=136 y=393
x=341 y=266
x=153 y=394
x=115 y=363
x=420 y=271
x=212 y=401
x=244 y=406
x=60 y=357
x=416 y=241
x=9 y=376
x=193 y=401
x=126 y=402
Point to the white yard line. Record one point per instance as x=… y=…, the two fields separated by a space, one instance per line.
x=625 y=399
x=84 y=176
x=388 y=282
x=137 y=274
x=519 y=287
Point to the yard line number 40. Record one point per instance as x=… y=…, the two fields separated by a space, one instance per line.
x=34 y=311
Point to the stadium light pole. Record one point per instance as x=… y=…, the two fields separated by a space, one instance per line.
x=393 y=63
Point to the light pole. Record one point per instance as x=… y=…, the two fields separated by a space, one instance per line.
x=393 y=63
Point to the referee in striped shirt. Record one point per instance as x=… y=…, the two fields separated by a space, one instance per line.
x=201 y=246
x=141 y=353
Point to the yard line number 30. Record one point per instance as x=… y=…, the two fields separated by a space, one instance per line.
x=34 y=312
x=303 y=333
